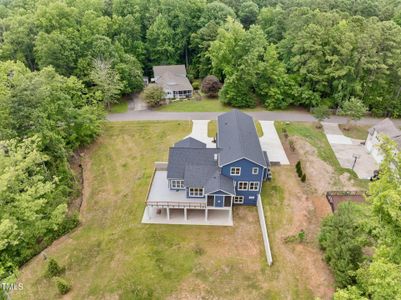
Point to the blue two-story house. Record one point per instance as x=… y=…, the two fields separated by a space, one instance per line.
x=211 y=179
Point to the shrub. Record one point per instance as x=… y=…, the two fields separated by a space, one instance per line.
x=153 y=94
x=303 y=177
x=299 y=237
x=298 y=168
x=342 y=237
x=53 y=268
x=196 y=85
x=62 y=285
x=211 y=86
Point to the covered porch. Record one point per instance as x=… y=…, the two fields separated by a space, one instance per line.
x=165 y=206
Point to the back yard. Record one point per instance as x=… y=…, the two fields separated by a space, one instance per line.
x=111 y=255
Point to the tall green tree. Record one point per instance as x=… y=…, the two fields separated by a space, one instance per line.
x=160 y=43
x=248 y=13
x=353 y=109
x=108 y=85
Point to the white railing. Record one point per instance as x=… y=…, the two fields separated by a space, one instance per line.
x=263 y=226
x=175 y=204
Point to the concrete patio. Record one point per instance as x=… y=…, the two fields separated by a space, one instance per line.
x=346 y=149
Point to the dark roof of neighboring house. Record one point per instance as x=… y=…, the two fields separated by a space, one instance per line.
x=190 y=142
x=238 y=139
x=388 y=128
x=173 y=77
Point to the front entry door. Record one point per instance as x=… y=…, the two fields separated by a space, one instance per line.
x=218 y=201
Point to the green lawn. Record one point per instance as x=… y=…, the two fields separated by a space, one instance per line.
x=355 y=132
x=120 y=107
x=212 y=129
x=111 y=255
x=317 y=139
x=204 y=105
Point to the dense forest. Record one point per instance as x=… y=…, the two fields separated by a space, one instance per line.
x=63 y=62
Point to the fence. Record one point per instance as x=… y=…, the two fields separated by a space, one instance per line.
x=264 y=231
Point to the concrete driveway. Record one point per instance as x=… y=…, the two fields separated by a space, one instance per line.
x=271 y=143
x=199 y=132
x=346 y=149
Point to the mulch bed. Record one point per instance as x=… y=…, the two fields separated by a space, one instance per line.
x=335 y=198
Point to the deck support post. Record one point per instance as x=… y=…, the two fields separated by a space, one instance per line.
x=149 y=212
x=185 y=214
x=206 y=214
x=168 y=213
x=230 y=213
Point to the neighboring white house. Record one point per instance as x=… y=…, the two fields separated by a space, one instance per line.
x=385 y=127
x=173 y=79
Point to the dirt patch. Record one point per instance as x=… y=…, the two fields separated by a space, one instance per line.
x=308 y=212
x=291 y=155
x=321 y=177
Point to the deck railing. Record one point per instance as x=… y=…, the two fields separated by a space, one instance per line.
x=175 y=204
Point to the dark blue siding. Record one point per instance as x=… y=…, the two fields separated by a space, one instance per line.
x=219 y=201
x=250 y=197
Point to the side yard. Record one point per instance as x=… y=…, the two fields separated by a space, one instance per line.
x=112 y=255
x=204 y=105
x=313 y=145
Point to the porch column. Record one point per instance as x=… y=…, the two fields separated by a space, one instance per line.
x=185 y=214
x=168 y=213
x=206 y=215
x=148 y=207
x=230 y=213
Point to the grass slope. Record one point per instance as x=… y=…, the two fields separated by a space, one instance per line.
x=204 y=105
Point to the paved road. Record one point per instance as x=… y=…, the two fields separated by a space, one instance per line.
x=262 y=115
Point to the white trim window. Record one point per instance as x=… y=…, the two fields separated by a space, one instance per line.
x=254 y=185
x=255 y=171
x=195 y=192
x=177 y=184
x=235 y=171
x=242 y=185
x=238 y=199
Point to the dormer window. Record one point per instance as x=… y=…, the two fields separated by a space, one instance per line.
x=235 y=171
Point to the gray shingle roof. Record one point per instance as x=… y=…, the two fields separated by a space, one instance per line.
x=190 y=142
x=238 y=139
x=218 y=182
x=173 y=77
x=387 y=127
x=180 y=157
x=198 y=175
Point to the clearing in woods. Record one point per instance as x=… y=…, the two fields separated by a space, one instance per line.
x=111 y=255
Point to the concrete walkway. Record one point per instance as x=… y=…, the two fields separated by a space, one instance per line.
x=335 y=135
x=271 y=143
x=346 y=149
x=199 y=132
